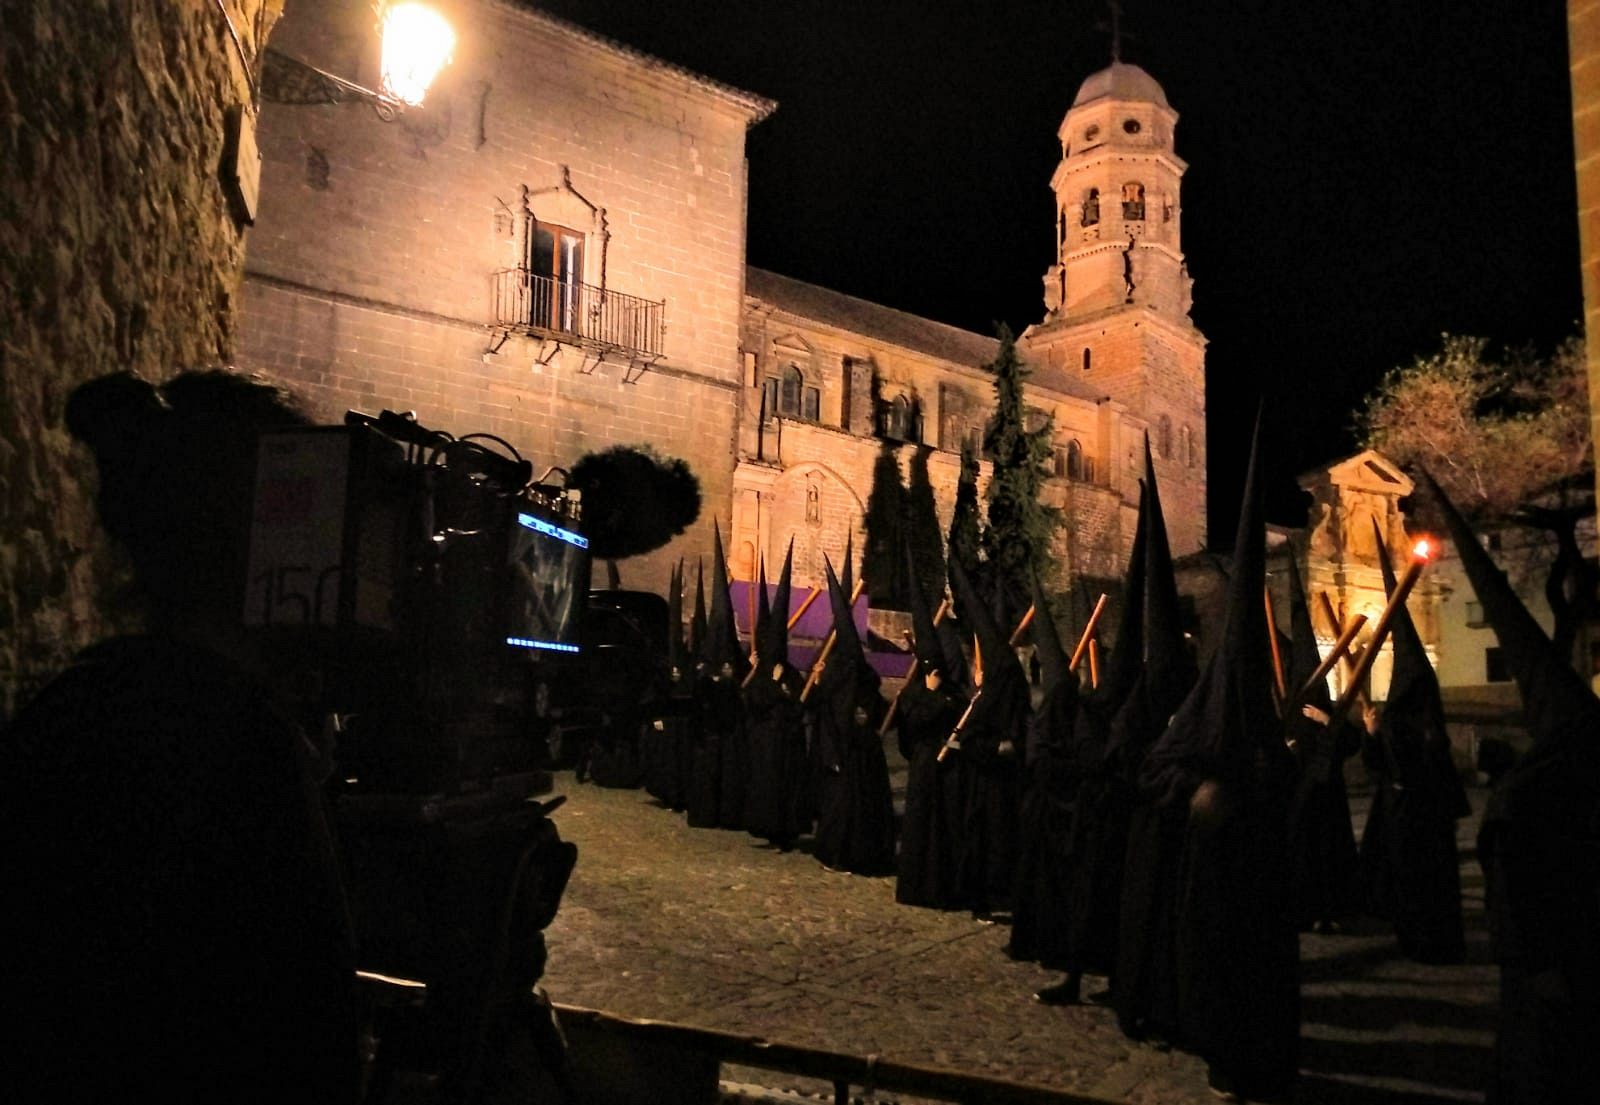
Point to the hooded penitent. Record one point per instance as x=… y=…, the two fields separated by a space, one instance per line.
x=855 y=819
x=1223 y=764
x=1141 y=841
x=930 y=832
x=719 y=753
x=1040 y=899
x=1540 y=850
x=666 y=743
x=1321 y=842
x=992 y=744
x=1409 y=865
x=697 y=623
x=774 y=725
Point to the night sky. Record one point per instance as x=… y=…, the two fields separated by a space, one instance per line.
x=1362 y=175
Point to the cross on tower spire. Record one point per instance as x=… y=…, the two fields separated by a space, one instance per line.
x=1113 y=27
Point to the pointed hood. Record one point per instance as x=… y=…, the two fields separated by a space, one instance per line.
x=1053 y=659
x=1304 y=656
x=697 y=627
x=848 y=643
x=675 y=649
x=1562 y=714
x=930 y=657
x=975 y=615
x=848 y=579
x=1228 y=721
x=1414 y=710
x=1168 y=659
x=951 y=642
x=763 y=626
x=1126 y=661
x=722 y=643
x=773 y=644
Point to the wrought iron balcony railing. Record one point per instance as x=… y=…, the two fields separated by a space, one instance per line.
x=584 y=314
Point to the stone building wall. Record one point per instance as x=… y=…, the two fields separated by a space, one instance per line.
x=1583 y=38
x=369 y=282
x=117 y=250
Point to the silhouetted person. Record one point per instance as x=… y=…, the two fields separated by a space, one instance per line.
x=175 y=927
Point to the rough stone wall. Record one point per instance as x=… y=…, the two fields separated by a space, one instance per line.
x=1583 y=38
x=369 y=279
x=116 y=251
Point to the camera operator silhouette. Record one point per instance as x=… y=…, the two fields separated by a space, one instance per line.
x=178 y=930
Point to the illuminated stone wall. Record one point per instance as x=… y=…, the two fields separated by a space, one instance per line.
x=1583 y=37
x=369 y=278
x=117 y=250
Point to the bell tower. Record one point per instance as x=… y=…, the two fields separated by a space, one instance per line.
x=1117 y=297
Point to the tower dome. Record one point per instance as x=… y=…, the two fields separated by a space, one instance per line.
x=1120 y=81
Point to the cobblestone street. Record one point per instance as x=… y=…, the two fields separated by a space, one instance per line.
x=715 y=929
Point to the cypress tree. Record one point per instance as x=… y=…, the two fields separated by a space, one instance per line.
x=882 y=560
x=1017 y=540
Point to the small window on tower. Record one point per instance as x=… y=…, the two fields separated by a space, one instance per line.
x=1091 y=134
x=1133 y=201
x=1091 y=208
x=1130 y=126
x=1086 y=358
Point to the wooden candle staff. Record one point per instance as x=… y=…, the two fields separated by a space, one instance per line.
x=827 y=647
x=1094 y=664
x=1088 y=633
x=1420 y=555
x=804 y=606
x=916 y=669
x=1340 y=647
x=1022 y=626
x=1278 y=681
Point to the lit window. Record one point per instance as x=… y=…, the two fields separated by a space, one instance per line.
x=555 y=268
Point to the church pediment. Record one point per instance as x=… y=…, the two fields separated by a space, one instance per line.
x=1368 y=470
x=792 y=343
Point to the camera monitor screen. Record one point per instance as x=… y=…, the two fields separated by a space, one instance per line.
x=549 y=583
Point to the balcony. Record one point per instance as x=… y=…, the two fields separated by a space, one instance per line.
x=596 y=319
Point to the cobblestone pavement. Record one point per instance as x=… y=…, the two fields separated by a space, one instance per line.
x=715 y=929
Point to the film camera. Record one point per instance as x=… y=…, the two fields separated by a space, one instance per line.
x=429 y=577
x=431 y=583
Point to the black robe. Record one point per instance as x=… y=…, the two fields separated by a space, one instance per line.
x=775 y=735
x=720 y=719
x=1044 y=877
x=668 y=743
x=1325 y=871
x=733 y=765
x=1410 y=866
x=1540 y=850
x=994 y=787
x=1236 y=946
x=855 y=807
x=929 y=835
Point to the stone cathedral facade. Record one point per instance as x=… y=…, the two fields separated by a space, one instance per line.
x=558 y=258
x=830 y=380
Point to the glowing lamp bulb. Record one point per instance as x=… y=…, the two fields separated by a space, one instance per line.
x=1422 y=550
x=417 y=42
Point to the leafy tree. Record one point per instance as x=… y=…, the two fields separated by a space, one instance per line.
x=922 y=526
x=882 y=562
x=1507 y=435
x=634 y=499
x=1020 y=526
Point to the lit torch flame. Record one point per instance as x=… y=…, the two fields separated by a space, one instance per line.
x=1422 y=550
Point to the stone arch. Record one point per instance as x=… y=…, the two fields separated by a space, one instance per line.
x=818 y=507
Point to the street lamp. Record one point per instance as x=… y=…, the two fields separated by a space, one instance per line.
x=417 y=42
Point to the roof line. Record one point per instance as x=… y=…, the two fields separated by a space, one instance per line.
x=758 y=107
